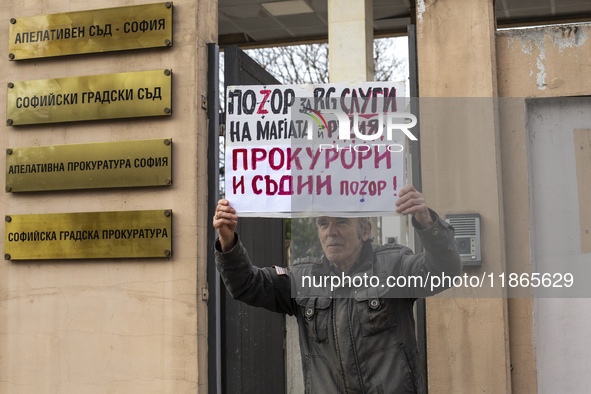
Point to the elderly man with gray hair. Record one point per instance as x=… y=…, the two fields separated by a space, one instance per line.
x=357 y=337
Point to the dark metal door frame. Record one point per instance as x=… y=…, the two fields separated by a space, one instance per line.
x=246 y=345
x=417 y=181
x=214 y=361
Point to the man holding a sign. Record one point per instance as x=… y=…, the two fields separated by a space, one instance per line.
x=354 y=305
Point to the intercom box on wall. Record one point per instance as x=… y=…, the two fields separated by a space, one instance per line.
x=467 y=233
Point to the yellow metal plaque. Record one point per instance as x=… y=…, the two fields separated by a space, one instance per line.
x=110 y=29
x=89 y=166
x=106 y=96
x=92 y=235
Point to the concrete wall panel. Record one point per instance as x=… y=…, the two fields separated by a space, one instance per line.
x=550 y=61
x=540 y=62
x=562 y=324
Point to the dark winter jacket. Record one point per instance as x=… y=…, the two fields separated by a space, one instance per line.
x=353 y=339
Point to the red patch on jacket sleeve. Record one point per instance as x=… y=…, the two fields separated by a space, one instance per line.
x=281 y=270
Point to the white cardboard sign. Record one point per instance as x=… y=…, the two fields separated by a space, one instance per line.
x=311 y=150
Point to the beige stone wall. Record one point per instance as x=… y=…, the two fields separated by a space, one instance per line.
x=350 y=37
x=467 y=338
x=112 y=326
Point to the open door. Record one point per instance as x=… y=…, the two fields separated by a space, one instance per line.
x=252 y=339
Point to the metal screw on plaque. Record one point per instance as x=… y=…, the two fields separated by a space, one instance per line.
x=9 y=122
x=8 y=189
x=167 y=182
x=166 y=110
x=168 y=4
x=587 y=231
x=167 y=253
x=10 y=85
x=167 y=42
x=9 y=151
x=167 y=142
x=166 y=72
x=11 y=56
x=6 y=256
x=8 y=219
x=167 y=213
x=12 y=20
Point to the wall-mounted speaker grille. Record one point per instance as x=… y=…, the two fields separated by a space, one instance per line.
x=463 y=226
x=467 y=234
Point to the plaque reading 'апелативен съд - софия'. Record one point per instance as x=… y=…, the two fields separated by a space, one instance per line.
x=92 y=31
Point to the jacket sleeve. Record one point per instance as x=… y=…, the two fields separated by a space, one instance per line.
x=441 y=257
x=260 y=287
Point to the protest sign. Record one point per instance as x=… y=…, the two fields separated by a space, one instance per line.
x=310 y=150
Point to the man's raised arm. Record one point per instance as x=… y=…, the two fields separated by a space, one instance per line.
x=261 y=287
x=225 y=221
x=437 y=236
x=412 y=202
